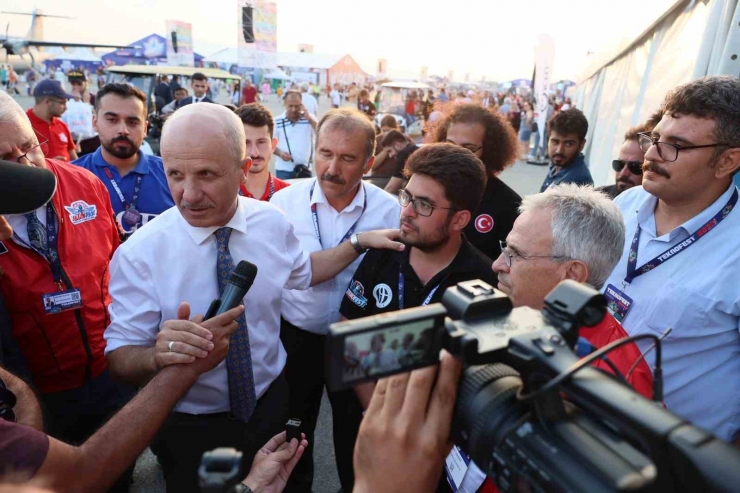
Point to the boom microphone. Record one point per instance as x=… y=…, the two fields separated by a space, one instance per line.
x=24 y=188
x=236 y=289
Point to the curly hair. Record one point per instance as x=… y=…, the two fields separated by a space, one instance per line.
x=500 y=143
x=571 y=121
x=715 y=98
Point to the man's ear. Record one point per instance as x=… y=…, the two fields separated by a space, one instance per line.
x=577 y=271
x=245 y=169
x=728 y=163
x=369 y=165
x=460 y=220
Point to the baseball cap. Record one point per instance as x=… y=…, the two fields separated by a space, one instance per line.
x=24 y=188
x=53 y=88
x=76 y=76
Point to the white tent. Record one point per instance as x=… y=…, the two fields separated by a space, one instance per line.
x=277 y=74
x=691 y=40
x=79 y=54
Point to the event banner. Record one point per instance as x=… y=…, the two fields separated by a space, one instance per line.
x=257 y=33
x=179 y=43
x=544 y=54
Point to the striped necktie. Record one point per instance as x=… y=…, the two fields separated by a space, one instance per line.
x=242 y=393
x=36 y=233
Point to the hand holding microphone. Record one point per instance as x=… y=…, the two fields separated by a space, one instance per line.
x=205 y=340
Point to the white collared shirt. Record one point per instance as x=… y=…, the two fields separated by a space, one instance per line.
x=315 y=308
x=168 y=262
x=294 y=138
x=697 y=294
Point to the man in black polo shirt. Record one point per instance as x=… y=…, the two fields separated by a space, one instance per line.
x=445 y=186
x=489 y=136
x=399 y=147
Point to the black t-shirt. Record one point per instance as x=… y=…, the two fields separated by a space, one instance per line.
x=610 y=190
x=374 y=286
x=402 y=157
x=494 y=218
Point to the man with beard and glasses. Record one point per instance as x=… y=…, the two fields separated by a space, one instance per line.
x=258 y=127
x=135 y=181
x=324 y=212
x=567 y=139
x=446 y=185
x=628 y=165
x=678 y=275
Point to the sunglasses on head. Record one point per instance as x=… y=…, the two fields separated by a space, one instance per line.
x=635 y=167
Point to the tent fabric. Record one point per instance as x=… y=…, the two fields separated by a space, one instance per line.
x=693 y=39
x=152 y=50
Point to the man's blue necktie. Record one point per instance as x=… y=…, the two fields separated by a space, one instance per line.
x=36 y=233
x=239 y=361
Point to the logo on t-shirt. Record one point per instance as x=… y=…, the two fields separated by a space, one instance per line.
x=356 y=294
x=80 y=212
x=62 y=137
x=484 y=223
x=383 y=295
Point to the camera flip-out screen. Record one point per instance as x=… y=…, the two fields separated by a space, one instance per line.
x=374 y=347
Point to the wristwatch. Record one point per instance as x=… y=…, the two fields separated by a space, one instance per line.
x=355 y=242
x=242 y=488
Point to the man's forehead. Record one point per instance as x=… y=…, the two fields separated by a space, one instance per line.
x=424 y=186
x=533 y=226
x=466 y=133
x=113 y=103
x=16 y=132
x=687 y=127
x=257 y=132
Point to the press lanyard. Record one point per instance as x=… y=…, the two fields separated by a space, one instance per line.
x=402 y=286
x=633 y=271
x=52 y=245
x=117 y=188
x=315 y=217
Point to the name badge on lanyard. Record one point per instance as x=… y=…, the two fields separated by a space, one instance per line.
x=618 y=302
x=70 y=299
x=131 y=216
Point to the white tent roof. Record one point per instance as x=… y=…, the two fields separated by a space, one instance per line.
x=79 y=54
x=277 y=74
x=306 y=60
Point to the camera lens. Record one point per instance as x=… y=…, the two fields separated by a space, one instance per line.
x=486 y=409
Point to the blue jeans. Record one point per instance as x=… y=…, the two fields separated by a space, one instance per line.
x=283 y=175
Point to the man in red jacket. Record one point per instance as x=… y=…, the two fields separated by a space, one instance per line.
x=567 y=232
x=55 y=284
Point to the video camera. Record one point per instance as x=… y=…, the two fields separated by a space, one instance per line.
x=529 y=412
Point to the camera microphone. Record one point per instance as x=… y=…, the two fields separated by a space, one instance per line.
x=236 y=289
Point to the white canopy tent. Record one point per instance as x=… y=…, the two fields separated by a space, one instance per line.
x=692 y=39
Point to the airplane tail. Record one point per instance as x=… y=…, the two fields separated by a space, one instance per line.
x=36 y=32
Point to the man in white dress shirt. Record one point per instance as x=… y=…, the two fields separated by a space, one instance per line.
x=681 y=261
x=324 y=212
x=241 y=402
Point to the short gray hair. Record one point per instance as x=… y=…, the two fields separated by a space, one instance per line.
x=586 y=226
x=11 y=111
x=349 y=120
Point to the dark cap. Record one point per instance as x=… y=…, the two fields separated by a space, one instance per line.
x=49 y=87
x=24 y=188
x=76 y=76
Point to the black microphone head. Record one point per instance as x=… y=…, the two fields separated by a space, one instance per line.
x=24 y=188
x=244 y=275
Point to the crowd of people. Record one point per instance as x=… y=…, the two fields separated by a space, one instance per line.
x=105 y=349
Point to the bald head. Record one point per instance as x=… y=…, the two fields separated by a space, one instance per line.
x=197 y=124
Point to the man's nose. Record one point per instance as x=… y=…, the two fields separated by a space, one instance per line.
x=499 y=265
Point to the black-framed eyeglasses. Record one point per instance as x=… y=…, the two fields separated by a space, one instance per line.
x=666 y=150
x=421 y=206
x=509 y=257
x=471 y=147
x=635 y=167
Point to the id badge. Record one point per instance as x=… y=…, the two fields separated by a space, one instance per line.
x=456 y=465
x=62 y=301
x=131 y=217
x=618 y=303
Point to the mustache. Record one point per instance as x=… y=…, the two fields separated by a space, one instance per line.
x=410 y=223
x=196 y=206
x=558 y=155
x=651 y=166
x=122 y=138
x=333 y=179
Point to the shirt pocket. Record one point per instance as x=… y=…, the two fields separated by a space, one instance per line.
x=689 y=313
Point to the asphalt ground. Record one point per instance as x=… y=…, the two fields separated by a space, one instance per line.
x=525 y=179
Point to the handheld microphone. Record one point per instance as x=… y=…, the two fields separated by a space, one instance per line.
x=236 y=289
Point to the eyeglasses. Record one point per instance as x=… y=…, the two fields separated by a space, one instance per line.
x=24 y=157
x=509 y=257
x=635 y=167
x=667 y=151
x=471 y=147
x=421 y=206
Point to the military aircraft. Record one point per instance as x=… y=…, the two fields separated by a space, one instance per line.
x=34 y=39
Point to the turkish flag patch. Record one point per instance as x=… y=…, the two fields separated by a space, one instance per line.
x=484 y=223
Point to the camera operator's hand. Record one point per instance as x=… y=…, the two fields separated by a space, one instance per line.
x=6 y=232
x=404 y=436
x=273 y=464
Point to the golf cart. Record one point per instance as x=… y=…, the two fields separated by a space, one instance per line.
x=144 y=77
x=393 y=97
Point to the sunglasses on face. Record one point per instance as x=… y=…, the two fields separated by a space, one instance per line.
x=635 y=167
